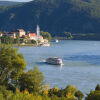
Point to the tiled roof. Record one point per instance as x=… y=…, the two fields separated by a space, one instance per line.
x=32 y=34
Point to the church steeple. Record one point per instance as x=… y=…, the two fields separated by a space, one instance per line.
x=38 y=32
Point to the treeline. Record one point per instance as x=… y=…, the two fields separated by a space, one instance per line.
x=17 y=84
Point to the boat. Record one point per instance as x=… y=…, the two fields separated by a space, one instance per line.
x=56 y=41
x=54 y=61
x=45 y=44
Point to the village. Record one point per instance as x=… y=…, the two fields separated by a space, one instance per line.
x=20 y=37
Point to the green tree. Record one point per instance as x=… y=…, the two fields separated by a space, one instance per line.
x=93 y=95
x=32 y=80
x=12 y=65
x=46 y=35
x=7 y=40
x=70 y=91
x=0 y=42
x=79 y=95
x=97 y=87
x=17 y=40
x=33 y=41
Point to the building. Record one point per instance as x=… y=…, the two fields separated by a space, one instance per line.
x=19 y=32
x=33 y=36
x=1 y=33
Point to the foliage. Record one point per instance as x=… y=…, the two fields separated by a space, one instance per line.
x=33 y=41
x=93 y=95
x=70 y=91
x=79 y=95
x=68 y=35
x=7 y=40
x=32 y=80
x=15 y=84
x=12 y=65
x=97 y=87
x=46 y=35
x=64 y=94
x=17 y=40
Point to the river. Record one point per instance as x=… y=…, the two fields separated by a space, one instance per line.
x=81 y=63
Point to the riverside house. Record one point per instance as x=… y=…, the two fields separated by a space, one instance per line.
x=33 y=36
x=15 y=33
x=18 y=32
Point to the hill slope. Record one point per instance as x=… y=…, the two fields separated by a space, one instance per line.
x=55 y=16
x=8 y=3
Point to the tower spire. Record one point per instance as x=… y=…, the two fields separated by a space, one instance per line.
x=38 y=32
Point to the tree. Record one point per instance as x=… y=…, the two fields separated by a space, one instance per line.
x=12 y=65
x=68 y=35
x=33 y=41
x=46 y=35
x=70 y=91
x=79 y=95
x=93 y=95
x=7 y=40
x=17 y=40
x=32 y=80
x=97 y=87
x=0 y=41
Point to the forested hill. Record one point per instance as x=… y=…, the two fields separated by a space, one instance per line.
x=55 y=16
x=9 y=3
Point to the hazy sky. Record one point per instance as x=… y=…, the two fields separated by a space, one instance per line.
x=17 y=0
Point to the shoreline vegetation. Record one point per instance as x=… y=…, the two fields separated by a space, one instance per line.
x=17 y=84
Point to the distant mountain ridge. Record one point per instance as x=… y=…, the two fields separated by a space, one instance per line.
x=9 y=3
x=55 y=16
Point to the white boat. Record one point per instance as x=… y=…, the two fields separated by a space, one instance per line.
x=56 y=41
x=54 y=61
x=45 y=44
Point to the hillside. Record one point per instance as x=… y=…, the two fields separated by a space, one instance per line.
x=55 y=16
x=9 y=3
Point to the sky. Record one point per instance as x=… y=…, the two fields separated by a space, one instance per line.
x=17 y=0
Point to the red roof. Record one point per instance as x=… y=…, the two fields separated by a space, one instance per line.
x=32 y=34
x=41 y=36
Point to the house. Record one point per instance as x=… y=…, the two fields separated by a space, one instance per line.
x=33 y=36
x=11 y=34
x=1 y=33
x=5 y=33
x=19 y=32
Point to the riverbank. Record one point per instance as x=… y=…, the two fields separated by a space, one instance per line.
x=80 y=36
x=28 y=45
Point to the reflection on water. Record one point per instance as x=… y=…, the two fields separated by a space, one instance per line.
x=61 y=67
x=81 y=63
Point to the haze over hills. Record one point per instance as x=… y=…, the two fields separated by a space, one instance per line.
x=55 y=16
x=9 y=3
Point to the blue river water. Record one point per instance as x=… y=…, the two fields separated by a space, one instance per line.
x=81 y=63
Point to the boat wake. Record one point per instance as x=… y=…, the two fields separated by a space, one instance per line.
x=43 y=60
